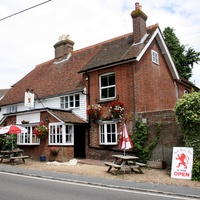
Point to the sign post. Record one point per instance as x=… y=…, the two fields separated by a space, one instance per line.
x=182 y=162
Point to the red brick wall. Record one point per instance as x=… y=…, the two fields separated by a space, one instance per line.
x=154 y=86
x=142 y=86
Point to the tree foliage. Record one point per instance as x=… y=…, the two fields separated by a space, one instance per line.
x=184 y=58
x=187 y=111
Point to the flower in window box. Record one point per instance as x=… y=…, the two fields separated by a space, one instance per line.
x=54 y=151
x=106 y=117
x=94 y=111
x=40 y=130
x=116 y=109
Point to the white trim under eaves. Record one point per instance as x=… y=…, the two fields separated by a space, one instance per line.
x=164 y=50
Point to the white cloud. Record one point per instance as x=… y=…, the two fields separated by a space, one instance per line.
x=27 y=39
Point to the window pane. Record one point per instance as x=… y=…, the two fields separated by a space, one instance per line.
x=71 y=101
x=108 y=128
x=112 y=79
x=77 y=101
x=111 y=92
x=109 y=138
x=66 y=102
x=62 y=102
x=59 y=134
x=104 y=81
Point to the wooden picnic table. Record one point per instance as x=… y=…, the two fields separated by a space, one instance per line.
x=121 y=162
x=12 y=155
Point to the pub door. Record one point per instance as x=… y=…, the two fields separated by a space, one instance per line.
x=79 y=141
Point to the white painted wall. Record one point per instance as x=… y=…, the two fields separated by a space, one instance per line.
x=50 y=103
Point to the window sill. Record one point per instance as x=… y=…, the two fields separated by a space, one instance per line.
x=111 y=121
x=107 y=100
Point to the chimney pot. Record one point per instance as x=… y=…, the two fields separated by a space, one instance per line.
x=137 y=5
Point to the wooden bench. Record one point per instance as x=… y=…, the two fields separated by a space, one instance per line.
x=141 y=164
x=111 y=164
x=13 y=158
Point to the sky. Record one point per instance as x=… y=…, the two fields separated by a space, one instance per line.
x=27 y=39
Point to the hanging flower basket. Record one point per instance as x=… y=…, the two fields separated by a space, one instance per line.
x=54 y=151
x=116 y=109
x=41 y=131
x=94 y=111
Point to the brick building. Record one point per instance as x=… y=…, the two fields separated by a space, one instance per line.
x=135 y=69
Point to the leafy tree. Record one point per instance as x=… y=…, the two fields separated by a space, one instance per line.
x=187 y=111
x=184 y=58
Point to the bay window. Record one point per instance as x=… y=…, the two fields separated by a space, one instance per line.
x=61 y=134
x=28 y=138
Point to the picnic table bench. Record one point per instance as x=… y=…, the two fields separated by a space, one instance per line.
x=121 y=162
x=12 y=155
x=13 y=158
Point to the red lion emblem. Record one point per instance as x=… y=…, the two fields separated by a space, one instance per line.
x=184 y=160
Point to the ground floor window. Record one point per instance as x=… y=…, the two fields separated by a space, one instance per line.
x=61 y=134
x=27 y=138
x=108 y=133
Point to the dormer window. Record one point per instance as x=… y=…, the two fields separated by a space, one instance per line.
x=154 y=55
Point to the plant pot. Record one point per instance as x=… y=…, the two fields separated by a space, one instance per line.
x=54 y=153
x=156 y=164
x=43 y=158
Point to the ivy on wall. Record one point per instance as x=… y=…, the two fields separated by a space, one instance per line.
x=139 y=139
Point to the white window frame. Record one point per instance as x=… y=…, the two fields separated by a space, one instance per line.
x=28 y=138
x=186 y=91
x=61 y=134
x=12 y=109
x=70 y=101
x=154 y=55
x=105 y=137
x=108 y=87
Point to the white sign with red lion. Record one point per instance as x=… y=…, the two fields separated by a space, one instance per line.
x=182 y=161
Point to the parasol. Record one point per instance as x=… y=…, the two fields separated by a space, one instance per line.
x=12 y=129
x=125 y=141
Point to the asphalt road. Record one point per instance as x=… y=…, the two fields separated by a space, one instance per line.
x=21 y=187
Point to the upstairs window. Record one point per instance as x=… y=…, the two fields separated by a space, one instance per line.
x=186 y=91
x=12 y=109
x=108 y=134
x=107 y=86
x=70 y=101
x=154 y=55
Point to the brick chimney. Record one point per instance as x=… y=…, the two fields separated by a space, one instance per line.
x=139 y=23
x=63 y=48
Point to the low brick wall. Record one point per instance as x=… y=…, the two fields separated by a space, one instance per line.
x=170 y=134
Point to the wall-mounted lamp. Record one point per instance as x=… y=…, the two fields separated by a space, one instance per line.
x=47 y=119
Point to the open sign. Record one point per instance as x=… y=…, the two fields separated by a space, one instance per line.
x=182 y=162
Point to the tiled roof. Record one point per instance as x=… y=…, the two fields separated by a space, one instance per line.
x=3 y=92
x=50 y=79
x=67 y=116
x=116 y=50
